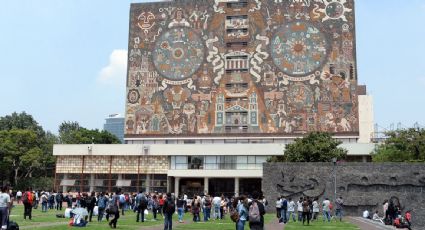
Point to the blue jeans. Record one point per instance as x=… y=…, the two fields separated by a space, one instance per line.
x=180 y=212
x=338 y=213
x=4 y=213
x=44 y=206
x=168 y=221
x=240 y=225
x=327 y=215
x=283 y=215
x=216 y=213
x=289 y=216
x=208 y=213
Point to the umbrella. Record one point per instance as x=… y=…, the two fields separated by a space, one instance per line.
x=80 y=211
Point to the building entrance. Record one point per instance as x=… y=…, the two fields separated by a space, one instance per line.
x=220 y=186
x=191 y=186
x=249 y=185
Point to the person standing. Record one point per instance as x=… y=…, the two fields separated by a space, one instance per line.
x=114 y=210
x=5 y=205
x=27 y=200
x=306 y=211
x=207 y=207
x=44 y=202
x=59 y=200
x=216 y=207
x=315 y=208
x=19 y=196
x=168 y=209
x=101 y=204
x=155 y=206
x=242 y=211
x=291 y=210
x=90 y=204
x=284 y=210
x=180 y=208
x=300 y=209
x=339 y=208
x=256 y=213
x=326 y=210
x=278 y=207
x=142 y=204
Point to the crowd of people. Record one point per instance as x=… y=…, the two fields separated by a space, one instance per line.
x=392 y=215
x=307 y=209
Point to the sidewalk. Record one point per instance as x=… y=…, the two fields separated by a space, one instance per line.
x=274 y=225
x=366 y=224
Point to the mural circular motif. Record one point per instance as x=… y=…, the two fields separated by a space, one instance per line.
x=178 y=54
x=301 y=96
x=299 y=49
x=335 y=10
x=133 y=96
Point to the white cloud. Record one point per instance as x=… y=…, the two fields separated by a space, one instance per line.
x=116 y=70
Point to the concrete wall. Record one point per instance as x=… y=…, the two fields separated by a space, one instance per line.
x=362 y=185
x=366 y=126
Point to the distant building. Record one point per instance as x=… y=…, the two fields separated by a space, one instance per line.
x=115 y=125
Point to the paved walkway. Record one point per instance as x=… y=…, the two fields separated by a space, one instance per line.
x=365 y=224
x=274 y=225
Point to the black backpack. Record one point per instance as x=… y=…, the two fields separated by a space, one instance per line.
x=171 y=207
x=12 y=226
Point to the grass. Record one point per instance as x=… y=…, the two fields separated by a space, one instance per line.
x=49 y=221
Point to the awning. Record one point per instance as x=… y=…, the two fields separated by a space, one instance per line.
x=123 y=183
x=67 y=182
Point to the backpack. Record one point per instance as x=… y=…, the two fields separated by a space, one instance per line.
x=101 y=202
x=12 y=226
x=122 y=199
x=285 y=204
x=254 y=213
x=234 y=215
x=171 y=207
x=25 y=199
x=143 y=203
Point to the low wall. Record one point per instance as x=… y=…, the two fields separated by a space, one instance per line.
x=362 y=185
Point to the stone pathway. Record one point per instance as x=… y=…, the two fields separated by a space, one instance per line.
x=365 y=224
x=274 y=225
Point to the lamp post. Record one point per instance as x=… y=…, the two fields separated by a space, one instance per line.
x=334 y=160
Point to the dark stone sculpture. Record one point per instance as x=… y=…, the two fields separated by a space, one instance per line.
x=362 y=185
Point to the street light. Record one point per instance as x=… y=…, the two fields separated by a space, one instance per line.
x=334 y=160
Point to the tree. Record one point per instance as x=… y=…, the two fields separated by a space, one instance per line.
x=20 y=152
x=73 y=133
x=315 y=147
x=21 y=121
x=406 y=145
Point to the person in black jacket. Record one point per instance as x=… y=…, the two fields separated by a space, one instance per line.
x=253 y=224
x=168 y=209
x=91 y=202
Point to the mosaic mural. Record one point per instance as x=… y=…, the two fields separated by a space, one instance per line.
x=214 y=67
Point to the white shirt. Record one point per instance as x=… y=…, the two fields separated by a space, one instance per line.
x=325 y=205
x=299 y=206
x=216 y=201
x=19 y=193
x=315 y=206
x=291 y=206
x=366 y=214
x=279 y=204
x=4 y=200
x=376 y=217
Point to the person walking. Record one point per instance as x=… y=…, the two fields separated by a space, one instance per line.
x=168 y=209
x=44 y=202
x=27 y=200
x=339 y=208
x=114 y=210
x=142 y=205
x=315 y=208
x=59 y=200
x=5 y=205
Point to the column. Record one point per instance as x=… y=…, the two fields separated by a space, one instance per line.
x=65 y=187
x=148 y=183
x=176 y=186
x=91 y=183
x=236 y=186
x=206 y=184
x=168 y=184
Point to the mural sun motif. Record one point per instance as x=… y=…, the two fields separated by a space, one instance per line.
x=334 y=10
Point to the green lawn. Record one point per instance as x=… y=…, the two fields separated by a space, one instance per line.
x=48 y=221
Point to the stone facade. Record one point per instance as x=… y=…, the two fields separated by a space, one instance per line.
x=119 y=164
x=248 y=67
x=362 y=185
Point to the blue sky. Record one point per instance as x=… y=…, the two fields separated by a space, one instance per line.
x=65 y=60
